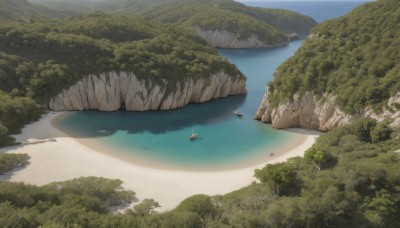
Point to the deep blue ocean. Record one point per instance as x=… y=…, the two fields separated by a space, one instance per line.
x=162 y=137
x=319 y=10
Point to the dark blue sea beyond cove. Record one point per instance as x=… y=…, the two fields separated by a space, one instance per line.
x=162 y=137
x=319 y=10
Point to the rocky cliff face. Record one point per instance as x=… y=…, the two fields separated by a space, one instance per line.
x=226 y=39
x=319 y=113
x=108 y=91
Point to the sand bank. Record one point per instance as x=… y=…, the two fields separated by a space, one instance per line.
x=56 y=156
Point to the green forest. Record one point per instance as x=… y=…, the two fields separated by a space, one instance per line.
x=22 y=9
x=355 y=57
x=349 y=178
x=15 y=112
x=41 y=57
x=272 y=26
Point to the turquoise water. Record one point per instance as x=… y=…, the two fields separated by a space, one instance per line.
x=224 y=139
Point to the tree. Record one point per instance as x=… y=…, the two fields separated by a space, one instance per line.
x=108 y=191
x=146 y=207
x=379 y=209
x=5 y=140
x=319 y=156
x=278 y=176
x=173 y=219
x=363 y=127
x=200 y=204
x=381 y=132
x=9 y=162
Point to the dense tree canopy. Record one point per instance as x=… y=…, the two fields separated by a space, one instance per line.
x=43 y=57
x=270 y=26
x=15 y=112
x=82 y=202
x=10 y=161
x=355 y=57
x=280 y=177
x=199 y=204
x=22 y=9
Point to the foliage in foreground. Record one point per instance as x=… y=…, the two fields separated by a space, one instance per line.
x=82 y=202
x=15 y=112
x=8 y=162
x=349 y=178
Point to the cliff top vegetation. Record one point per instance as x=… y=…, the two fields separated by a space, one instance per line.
x=355 y=57
x=42 y=57
x=272 y=26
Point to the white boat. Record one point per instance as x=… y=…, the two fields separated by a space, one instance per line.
x=193 y=136
x=238 y=113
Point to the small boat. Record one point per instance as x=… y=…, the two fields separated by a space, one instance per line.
x=238 y=113
x=193 y=136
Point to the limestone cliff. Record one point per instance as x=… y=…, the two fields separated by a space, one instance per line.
x=108 y=91
x=226 y=39
x=319 y=113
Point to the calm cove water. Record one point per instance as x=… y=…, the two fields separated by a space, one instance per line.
x=161 y=137
x=224 y=139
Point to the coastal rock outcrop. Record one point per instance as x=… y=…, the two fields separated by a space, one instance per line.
x=226 y=39
x=109 y=91
x=319 y=112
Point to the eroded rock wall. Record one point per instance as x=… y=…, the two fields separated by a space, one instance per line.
x=318 y=112
x=226 y=39
x=108 y=91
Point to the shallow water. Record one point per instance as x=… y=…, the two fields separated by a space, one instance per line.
x=224 y=139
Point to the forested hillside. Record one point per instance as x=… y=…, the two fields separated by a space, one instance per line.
x=201 y=13
x=349 y=178
x=40 y=58
x=355 y=57
x=22 y=9
x=271 y=27
x=55 y=54
x=114 y=7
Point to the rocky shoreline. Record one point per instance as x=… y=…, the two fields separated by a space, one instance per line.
x=226 y=39
x=319 y=112
x=110 y=91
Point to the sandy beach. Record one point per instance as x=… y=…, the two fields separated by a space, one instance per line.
x=55 y=156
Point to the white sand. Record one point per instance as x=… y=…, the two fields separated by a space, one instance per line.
x=58 y=157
